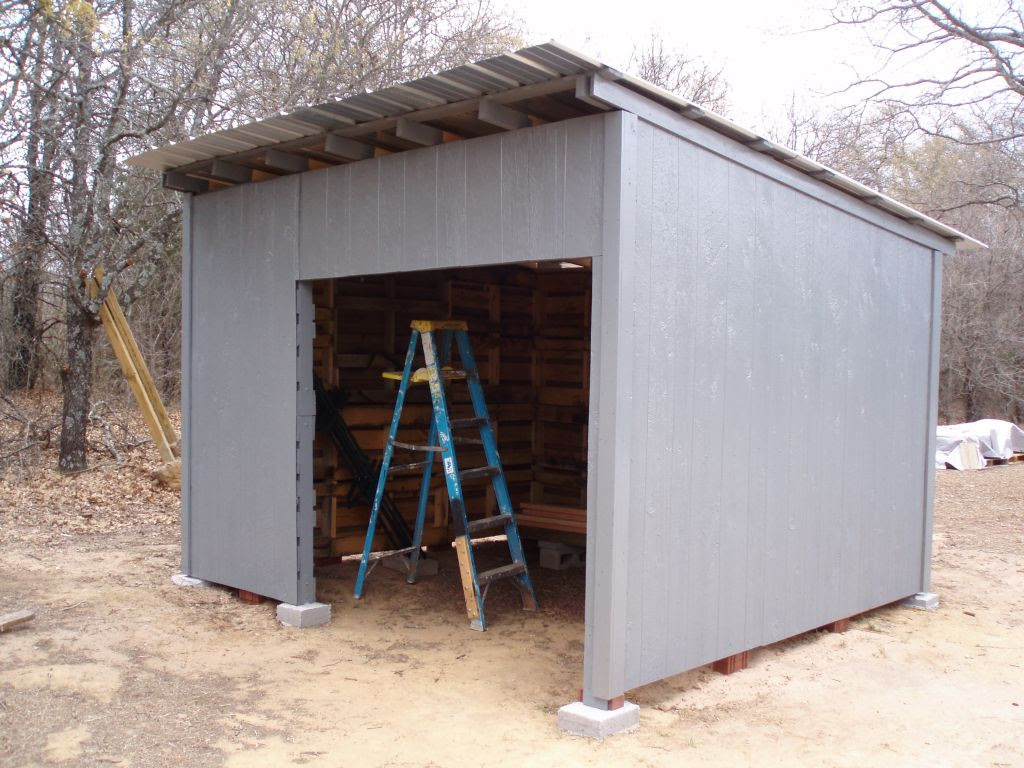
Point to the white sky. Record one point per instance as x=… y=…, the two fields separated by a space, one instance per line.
x=763 y=47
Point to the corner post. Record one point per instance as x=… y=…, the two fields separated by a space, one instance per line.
x=608 y=478
x=186 y=383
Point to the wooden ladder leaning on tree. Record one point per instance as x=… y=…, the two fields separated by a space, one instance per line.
x=137 y=373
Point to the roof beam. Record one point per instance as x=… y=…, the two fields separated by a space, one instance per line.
x=285 y=161
x=497 y=114
x=232 y=173
x=533 y=90
x=347 y=149
x=179 y=182
x=418 y=133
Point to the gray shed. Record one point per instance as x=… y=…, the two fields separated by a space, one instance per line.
x=757 y=336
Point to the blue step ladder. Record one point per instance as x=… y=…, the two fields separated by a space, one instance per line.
x=441 y=441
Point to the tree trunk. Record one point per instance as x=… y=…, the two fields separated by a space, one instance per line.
x=76 y=378
x=972 y=403
x=23 y=363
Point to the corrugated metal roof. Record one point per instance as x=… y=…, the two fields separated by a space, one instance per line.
x=530 y=66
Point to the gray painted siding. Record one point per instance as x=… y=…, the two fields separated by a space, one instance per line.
x=241 y=390
x=779 y=394
x=525 y=195
x=532 y=194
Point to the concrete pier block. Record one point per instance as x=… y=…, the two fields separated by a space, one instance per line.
x=307 y=615
x=580 y=720
x=926 y=601
x=181 y=580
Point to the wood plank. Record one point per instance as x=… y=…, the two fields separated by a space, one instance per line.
x=10 y=620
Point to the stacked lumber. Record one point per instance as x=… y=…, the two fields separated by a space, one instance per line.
x=552 y=518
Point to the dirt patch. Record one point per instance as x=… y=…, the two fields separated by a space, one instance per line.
x=120 y=667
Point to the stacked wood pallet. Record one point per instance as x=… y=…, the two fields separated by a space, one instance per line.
x=562 y=385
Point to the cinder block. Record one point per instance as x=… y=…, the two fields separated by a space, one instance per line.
x=307 y=615
x=182 y=580
x=580 y=720
x=558 y=556
x=926 y=601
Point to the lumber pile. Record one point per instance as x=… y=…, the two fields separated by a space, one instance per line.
x=136 y=372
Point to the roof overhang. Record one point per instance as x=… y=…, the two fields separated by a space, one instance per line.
x=532 y=86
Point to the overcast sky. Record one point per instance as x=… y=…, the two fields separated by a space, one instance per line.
x=764 y=47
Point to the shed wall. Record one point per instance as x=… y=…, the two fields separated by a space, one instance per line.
x=524 y=195
x=779 y=390
x=240 y=390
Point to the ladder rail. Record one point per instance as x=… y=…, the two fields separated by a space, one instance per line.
x=385 y=464
x=498 y=482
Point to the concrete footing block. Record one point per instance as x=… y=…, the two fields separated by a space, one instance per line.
x=399 y=564
x=557 y=556
x=580 y=720
x=181 y=580
x=307 y=615
x=926 y=601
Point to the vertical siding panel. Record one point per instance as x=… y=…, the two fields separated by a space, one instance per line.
x=393 y=254
x=835 y=362
x=583 y=199
x=420 y=209
x=660 y=508
x=364 y=222
x=546 y=198
x=816 y=453
x=682 y=279
x=338 y=231
x=516 y=234
x=708 y=412
x=761 y=405
x=733 y=471
x=313 y=204
x=484 y=210
x=777 y=521
x=452 y=222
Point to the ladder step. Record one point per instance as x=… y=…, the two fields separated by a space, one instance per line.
x=411 y=447
x=411 y=465
x=390 y=553
x=487 y=523
x=504 y=572
x=475 y=472
x=475 y=421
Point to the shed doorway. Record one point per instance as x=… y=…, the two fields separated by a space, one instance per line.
x=530 y=327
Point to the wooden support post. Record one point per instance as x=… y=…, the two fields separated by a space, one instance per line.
x=612 y=704
x=731 y=664
x=838 y=626
x=250 y=598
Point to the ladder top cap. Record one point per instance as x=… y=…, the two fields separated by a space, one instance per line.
x=425 y=326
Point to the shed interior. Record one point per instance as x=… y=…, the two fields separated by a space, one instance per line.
x=529 y=325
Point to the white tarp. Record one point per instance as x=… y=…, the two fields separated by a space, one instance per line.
x=967 y=446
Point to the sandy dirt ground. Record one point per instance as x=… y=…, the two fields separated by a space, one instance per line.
x=122 y=668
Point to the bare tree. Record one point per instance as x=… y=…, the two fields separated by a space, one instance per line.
x=88 y=83
x=687 y=76
x=974 y=59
